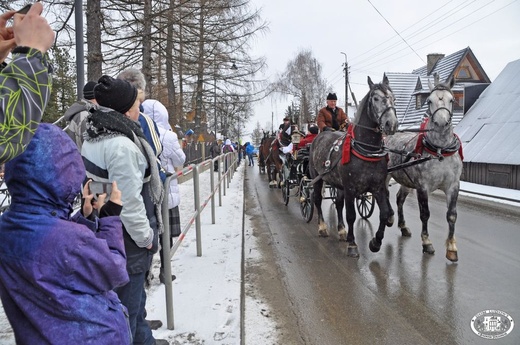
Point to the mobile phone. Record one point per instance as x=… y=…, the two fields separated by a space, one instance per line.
x=97 y=188
x=24 y=9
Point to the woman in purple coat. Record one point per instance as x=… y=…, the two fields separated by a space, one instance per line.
x=57 y=272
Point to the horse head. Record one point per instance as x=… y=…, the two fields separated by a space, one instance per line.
x=381 y=106
x=440 y=103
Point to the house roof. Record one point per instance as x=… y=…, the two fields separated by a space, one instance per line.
x=445 y=67
x=407 y=85
x=490 y=128
x=403 y=86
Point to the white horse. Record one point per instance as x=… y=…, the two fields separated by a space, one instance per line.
x=437 y=141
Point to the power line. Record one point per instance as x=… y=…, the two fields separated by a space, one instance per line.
x=409 y=46
x=435 y=21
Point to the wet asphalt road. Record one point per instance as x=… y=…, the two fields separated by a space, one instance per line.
x=399 y=295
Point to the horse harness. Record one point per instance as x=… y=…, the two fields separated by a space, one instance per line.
x=350 y=144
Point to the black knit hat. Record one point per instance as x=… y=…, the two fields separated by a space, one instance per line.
x=88 y=90
x=332 y=97
x=116 y=94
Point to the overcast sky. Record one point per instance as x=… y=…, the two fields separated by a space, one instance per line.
x=368 y=32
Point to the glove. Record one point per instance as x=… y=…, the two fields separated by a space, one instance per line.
x=326 y=129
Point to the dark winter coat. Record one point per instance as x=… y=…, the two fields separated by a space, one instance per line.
x=57 y=276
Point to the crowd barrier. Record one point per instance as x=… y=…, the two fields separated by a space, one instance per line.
x=229 y=160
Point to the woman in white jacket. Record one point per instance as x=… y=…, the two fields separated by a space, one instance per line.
x=172 y=157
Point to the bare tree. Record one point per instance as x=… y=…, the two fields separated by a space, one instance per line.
x=302 y=80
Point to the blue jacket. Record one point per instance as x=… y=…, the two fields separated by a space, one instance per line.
x=56 y=275
x=249 y=149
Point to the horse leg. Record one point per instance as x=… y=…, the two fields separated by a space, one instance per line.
x=340 y=199
x=422 y=198
x=384 y=213
x=390 y=221
x=272 y=176
x=401 y=223
x=322 y=225
x=352 y=248
x=451 y=217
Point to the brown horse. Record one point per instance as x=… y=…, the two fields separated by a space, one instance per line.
x=268 y=152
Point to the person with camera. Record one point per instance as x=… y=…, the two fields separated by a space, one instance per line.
x=58 y=270
x=25 y=82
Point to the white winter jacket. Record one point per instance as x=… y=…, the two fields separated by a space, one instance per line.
x=172 y=155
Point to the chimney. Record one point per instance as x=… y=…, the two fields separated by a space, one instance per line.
x=431 y=61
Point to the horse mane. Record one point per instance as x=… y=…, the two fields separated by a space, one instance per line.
x=362 y=109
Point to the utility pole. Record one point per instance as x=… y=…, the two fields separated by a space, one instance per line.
x=80 y=63
x=346 y=83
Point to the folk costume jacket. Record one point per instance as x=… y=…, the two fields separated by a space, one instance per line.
x=25 y=88
x=57 y=275
x=324 y=119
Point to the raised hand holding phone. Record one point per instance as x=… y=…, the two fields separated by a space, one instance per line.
x=32 y=30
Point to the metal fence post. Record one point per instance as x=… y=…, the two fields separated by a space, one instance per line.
x=219 y=180
x=166 y=255
x=212 y=183
x=196 y=191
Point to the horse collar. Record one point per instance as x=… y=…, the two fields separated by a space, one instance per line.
x=440 y=152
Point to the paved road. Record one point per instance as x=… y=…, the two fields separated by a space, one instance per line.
x=397 y=296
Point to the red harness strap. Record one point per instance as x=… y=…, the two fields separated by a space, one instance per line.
x=345 y=158
x=419 y=145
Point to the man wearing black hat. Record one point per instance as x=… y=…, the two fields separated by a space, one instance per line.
x=285 y=131
x=77 y=114
x=331 y=117
x=115 y=149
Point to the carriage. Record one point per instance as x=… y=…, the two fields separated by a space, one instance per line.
x=295 y=178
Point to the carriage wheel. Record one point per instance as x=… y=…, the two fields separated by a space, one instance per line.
x=286 y=186
x=285 y=191
x=365 y=205
x=306 y=200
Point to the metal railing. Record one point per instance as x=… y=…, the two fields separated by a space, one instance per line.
x=229 y=161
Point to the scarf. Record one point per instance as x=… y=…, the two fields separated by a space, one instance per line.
x=105 y=123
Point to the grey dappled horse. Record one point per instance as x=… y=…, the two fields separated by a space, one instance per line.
x=441 y=172
x=366 y=170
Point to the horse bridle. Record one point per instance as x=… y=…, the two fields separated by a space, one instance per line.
x=379 y=128
x=440 y=87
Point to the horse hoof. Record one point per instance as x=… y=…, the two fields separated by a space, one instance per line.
x=452 y=255
x=342 y=235
x=352 y=251
x=374 y=247
x=390 y=221
x=323 y=233
x=428 y=248
x=405 y=232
